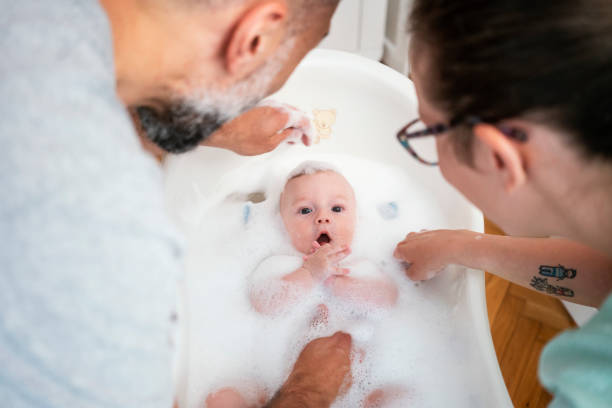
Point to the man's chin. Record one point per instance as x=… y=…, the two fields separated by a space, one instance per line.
x=180 y=129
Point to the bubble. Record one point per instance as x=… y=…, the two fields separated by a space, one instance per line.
x=232 y=344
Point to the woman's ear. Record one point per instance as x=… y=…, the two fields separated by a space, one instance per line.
x=500 y=156
x=256 y=36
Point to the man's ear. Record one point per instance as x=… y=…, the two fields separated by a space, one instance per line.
x=497 y=153
x=255 y=37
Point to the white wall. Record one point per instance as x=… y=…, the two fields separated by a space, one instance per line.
x=396 y=35
x=358 y=26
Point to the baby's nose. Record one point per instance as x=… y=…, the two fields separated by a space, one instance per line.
x=323 y=220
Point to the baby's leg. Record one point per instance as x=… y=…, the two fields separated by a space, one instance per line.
x=382 y=397
x=320 y=318
x=226 y=398
x=229 y=397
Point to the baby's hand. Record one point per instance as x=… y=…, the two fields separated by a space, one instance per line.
x=323 y=261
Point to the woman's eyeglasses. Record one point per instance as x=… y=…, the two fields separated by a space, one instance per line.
x=412 y=137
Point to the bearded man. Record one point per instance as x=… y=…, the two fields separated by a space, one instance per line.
x=89 y=260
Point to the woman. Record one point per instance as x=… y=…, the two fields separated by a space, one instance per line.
x=519 y=97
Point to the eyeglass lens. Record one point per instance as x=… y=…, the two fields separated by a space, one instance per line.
x=424 y=147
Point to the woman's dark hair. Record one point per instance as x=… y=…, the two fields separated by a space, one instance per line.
x=502 y=59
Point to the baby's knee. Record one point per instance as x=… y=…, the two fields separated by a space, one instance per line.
x=252 y=396
x=385 y=396
x=225 y=398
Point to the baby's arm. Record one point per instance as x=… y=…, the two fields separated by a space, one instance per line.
x=376 y=288
x=271 y=291
x=271 y=288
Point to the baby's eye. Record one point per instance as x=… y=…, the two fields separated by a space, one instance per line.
x=337 y=208
x=305 y=210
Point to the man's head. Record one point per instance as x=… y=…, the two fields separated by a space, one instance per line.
x=188 y=66
x=543 y=68
x=318 y=204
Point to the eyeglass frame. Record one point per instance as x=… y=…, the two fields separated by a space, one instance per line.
x=436 y=130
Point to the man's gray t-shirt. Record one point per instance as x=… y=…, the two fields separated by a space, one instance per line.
x=88 y=260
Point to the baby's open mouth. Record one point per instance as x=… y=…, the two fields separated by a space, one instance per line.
x=323 y=239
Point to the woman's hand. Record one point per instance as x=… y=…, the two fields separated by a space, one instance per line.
x=426 y=253
x=323 y=261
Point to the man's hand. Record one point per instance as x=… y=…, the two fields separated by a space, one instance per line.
x=261 y=129
x=319 y=373
x=426 y=253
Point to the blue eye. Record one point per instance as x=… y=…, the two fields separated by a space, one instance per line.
x=337 y=208
x=305 y=210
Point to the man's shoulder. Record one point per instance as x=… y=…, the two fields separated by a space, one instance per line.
x=38 y=33
x=89 y=259
x=68 y=143
x=56 y=74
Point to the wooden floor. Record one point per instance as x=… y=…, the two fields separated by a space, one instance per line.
x=522 y=322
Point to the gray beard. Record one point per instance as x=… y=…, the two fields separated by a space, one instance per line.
x=181 y=128
x=189 y=121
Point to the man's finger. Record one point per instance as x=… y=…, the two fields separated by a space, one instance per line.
x=415 y=274
x=396 y=252
x=290 y=136
x=343 y=340
x=400 y=250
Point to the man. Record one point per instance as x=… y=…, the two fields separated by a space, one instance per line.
x=89 y=261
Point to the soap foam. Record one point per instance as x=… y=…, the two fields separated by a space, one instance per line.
x=299 y=121
x=418 y=346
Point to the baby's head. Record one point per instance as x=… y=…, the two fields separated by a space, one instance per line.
x=318 y=204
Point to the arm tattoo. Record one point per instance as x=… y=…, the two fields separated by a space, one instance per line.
x=559 y=272
x=542 y=285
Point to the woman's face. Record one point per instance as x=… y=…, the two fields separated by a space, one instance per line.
x=483 y=188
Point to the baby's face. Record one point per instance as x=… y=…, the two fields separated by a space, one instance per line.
x=318 y=207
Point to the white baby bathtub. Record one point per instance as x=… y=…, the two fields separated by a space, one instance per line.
x=372 y=102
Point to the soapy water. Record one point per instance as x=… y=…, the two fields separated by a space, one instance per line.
x=419 y=348
x=299 y=121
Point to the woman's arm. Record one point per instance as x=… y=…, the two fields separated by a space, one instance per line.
x=554 y=266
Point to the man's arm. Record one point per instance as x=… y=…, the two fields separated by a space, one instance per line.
x=319 y=375
x=257 y=131
x=261 y=130
x=554 y=266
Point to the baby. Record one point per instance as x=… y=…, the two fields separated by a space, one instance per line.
x=318 y=209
